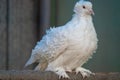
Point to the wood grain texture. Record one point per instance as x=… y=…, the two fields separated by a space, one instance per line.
x=22 y=32
x=36 y=75
x=3 y=34
x=44 y=16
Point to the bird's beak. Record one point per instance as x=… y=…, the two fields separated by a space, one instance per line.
x=91 y=12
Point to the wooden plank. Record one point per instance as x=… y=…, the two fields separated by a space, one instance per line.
x=3 y=34
x=36 y=75
x=44 y=16
x=22 y=32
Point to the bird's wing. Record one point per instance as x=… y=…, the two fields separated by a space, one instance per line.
x=50 y=47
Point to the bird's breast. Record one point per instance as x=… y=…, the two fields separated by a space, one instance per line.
x=83 y=39
x=82 y=43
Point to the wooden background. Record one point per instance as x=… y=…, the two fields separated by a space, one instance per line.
x=20 y=22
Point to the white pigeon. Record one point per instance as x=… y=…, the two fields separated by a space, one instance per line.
x=68 y=47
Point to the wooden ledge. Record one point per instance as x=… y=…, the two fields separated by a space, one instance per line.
x=37 y=75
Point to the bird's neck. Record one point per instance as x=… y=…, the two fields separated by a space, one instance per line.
x=79 y=20
x=81 y=17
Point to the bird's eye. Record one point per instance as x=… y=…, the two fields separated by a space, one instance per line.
x=83 y=7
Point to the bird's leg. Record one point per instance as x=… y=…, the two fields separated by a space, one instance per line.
x=61 y=73
x=69 y=71
x=84 y=72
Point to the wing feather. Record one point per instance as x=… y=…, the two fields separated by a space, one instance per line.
x=50 y=47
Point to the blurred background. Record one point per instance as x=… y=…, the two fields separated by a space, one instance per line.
x=23 y=23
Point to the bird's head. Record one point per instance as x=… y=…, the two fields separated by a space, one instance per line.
x=83 y=8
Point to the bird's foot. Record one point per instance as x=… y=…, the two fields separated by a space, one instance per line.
x=84 y=72
x=69 y=71
x=61 y=73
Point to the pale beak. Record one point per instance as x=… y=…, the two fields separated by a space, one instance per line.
x=91 y=12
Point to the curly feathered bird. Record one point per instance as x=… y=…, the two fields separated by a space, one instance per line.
x=67 y=47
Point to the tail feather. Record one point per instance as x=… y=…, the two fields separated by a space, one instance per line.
x=30 y=61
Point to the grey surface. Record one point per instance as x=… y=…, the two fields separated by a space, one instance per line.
x=3 y=34
x=22 y=29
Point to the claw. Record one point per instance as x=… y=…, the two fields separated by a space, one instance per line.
x=61 y=73
x=84 y=72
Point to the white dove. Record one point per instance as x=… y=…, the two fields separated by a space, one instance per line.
x=68 y=47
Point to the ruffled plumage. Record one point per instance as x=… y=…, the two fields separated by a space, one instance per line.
x=67 y=47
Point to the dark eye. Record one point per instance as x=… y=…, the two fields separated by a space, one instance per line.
x=83 y=7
